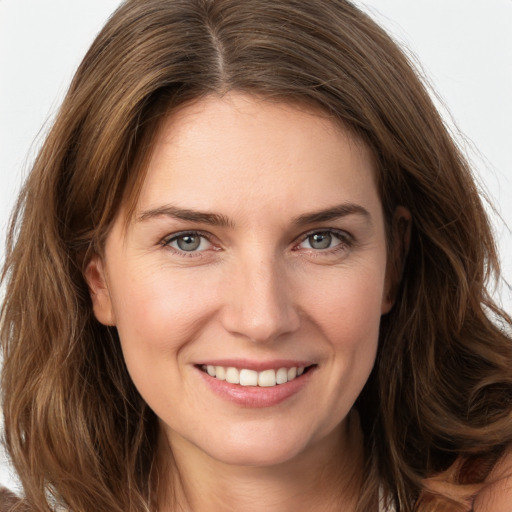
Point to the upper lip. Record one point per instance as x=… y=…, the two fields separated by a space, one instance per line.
x=258 y=366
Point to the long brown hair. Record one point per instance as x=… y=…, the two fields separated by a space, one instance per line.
x=440 y=394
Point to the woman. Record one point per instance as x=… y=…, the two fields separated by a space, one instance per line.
x=248 y=272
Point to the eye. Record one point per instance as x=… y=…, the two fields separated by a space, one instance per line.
x=322 y=240
x=188 y=242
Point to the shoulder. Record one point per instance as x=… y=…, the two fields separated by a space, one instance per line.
x=496 y=494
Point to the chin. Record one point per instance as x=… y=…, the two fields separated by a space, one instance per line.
x=257 y=455
x=258 y=447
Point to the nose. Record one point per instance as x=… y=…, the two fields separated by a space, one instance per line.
x=259 y=305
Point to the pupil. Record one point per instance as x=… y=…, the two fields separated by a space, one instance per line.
x=320 y=240
x=188 y=242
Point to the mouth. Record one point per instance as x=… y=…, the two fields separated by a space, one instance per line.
x=252 y=378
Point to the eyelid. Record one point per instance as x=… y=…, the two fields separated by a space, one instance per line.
x=168 y=239
x=345 y=238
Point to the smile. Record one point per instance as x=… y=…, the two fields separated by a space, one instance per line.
x=256 y=384
x=246 y=377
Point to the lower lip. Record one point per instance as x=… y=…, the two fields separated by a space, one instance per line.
x=256 y=396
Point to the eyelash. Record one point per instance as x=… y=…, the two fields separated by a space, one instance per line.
x=346 y=241
x=166 y=243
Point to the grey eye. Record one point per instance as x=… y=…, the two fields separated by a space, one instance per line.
x=188 y=242
x=320 y=240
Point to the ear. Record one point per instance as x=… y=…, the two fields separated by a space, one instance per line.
x=98 y=289
x=399 y=241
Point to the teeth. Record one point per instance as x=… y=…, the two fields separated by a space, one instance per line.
x=282 y=375
x=232 y=376
x=245 y=377
x=267 y=378
x=248 y=378
x=220 y=373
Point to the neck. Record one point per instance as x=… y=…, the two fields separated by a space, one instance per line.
x=325 y=478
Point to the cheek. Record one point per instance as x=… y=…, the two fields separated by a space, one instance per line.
x=159 y=314
x=159 y=311
x=348 y=302
x=348 y=312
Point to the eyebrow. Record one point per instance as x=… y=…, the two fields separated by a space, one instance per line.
x=212 y=219
x=216 y=219
x=342 y=210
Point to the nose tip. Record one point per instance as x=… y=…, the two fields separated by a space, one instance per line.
x=260 y=307
x=259 y=327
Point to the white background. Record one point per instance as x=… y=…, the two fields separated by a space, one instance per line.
x=464 y=47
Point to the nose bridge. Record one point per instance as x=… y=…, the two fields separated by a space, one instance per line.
x=260 y=306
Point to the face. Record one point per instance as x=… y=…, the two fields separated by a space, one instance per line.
x=248 y=288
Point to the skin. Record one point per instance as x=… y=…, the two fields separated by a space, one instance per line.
x=257 y=288
x=496 y=495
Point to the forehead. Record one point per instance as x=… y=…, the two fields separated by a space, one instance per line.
x=249 y=143
x=235 y=152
